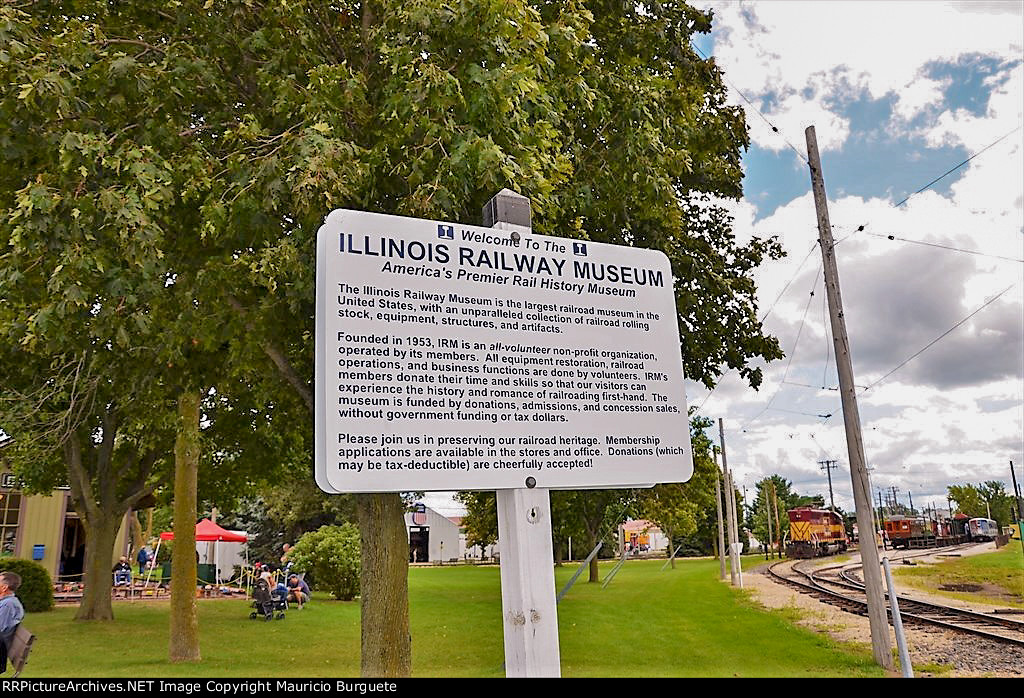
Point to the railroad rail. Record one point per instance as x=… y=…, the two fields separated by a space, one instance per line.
x=853 y=600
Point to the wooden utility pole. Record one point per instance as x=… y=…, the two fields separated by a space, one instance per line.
x=1019 y=512
x=828 y=466
x=880 y=642
x=881 y=519
x=768 y=518
x=524 y=528
x=778 y=522
x=730 y=509
x=721 y=528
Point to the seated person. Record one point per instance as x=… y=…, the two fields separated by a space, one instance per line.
x=298 y=590
x=122 y=572
x=11 y=614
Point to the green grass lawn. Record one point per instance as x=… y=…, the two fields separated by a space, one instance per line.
x=647 y=623
x=1004 y=569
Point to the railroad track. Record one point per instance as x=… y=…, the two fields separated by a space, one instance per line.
x=852 y=599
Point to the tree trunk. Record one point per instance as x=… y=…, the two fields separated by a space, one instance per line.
x=184 y=645
x=591 y=542
x=99 y=552
x=384 y=586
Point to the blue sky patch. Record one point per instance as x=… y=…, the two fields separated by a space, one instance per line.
x=875 y=161
x=965 y=80
x=704 y=43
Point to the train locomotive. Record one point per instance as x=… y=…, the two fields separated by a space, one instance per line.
x=815 y=532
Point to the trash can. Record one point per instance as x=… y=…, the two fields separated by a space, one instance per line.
x=207 y=573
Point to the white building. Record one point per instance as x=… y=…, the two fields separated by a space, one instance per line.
x=432 y=536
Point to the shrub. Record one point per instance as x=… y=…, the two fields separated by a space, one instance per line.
x=36 y=591
x=331 y=555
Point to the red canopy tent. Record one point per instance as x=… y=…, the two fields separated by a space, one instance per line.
x=208 y=531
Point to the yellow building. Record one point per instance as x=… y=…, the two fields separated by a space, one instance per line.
x=45 y=528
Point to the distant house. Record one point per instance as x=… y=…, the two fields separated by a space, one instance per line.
x=641 y=536
x=433 y=537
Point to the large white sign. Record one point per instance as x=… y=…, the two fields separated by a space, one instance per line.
x=455 y=357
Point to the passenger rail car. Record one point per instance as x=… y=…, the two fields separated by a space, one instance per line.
x=815 y=532
x=982 y=529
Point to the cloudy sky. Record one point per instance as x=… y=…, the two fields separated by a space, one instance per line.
x=899 y=93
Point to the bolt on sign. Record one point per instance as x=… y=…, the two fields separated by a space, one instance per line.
x=456 y=357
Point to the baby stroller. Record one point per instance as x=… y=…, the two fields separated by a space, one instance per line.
x=267 y=602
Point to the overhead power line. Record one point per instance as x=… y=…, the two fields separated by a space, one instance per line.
x=796 y=342
x=806 y=414
x=957 y=167
x=763 y=318
x=945 y=247
x=773 y=127
x=936 y=340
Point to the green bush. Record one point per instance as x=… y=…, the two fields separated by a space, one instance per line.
x=331 y=555
x=36 y=592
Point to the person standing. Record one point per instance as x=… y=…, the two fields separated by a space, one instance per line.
x=143 y=559
x=11 y=613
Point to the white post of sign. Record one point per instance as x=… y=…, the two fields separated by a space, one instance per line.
x=528 y=601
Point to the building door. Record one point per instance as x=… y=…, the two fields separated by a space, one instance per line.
x=72 y=550
x=419 y=542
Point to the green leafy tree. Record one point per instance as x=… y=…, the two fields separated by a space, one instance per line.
x=595 y=514
x=976 y=501
x=143 y=126
x=481 y=519
x=331 y=555
x=76 y=421
x=682 y=509
x=281 y=512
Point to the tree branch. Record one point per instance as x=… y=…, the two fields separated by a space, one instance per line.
x=284 y=366
x=81 y=487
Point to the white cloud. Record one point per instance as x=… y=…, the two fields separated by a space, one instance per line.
x=803 y=52
x=922 y=429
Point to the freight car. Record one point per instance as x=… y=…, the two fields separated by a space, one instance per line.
x=815 y=532
x=910 y=532
x=982 y=529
